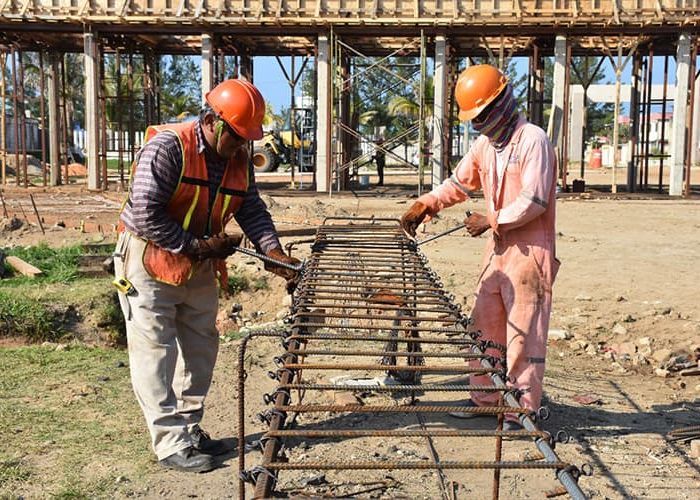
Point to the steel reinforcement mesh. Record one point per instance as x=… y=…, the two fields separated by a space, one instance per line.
x=376 y=352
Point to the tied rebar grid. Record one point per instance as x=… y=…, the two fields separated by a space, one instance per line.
x=368 y=304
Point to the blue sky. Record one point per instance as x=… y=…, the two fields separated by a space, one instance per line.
x=271 y=81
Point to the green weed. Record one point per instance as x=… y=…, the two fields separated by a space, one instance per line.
x=108 y=315
x=21 y=316
x=14 y=471
x=238 y=283
x=59 y=265
x=260 y=283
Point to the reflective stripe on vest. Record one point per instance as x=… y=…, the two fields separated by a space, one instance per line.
x=189 y=204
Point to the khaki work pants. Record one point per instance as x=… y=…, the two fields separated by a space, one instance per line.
x=173 y=344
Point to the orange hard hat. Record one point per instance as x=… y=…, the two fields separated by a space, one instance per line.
x=477 y=86
x=240 y=104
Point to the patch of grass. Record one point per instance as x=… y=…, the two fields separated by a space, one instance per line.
x=72 y=416
x=60 y=265
x=232 y=335
x=14 y=471
x=260 y=283
x=21 y=316
x=108 y=315
x=238 y=282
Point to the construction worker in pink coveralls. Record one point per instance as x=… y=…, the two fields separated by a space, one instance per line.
x=513 y=164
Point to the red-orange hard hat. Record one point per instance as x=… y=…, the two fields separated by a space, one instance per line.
x=477 y=86
x=240 y=104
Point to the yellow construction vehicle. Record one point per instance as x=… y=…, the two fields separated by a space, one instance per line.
x=278 y=147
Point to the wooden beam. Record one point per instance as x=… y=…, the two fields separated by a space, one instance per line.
x=659 y=8
x=4 y=4
x=23 y=267
x=198 y=10
x=180 y=9
x=83 y=7
x=124 y=9
x=26 y=5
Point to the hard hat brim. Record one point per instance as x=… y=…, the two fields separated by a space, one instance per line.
x=253 y=134
x=470 y=114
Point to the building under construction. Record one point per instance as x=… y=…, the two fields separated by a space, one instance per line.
x=440 y=35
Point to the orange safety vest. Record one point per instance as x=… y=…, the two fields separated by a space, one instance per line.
x=189 y=204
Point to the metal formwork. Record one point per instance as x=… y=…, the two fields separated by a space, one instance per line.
x=370 y=316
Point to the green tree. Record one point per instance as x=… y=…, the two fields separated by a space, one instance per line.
x=180 y=87
x=586 y=71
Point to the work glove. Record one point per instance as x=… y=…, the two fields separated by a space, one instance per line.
x=215 y=247
x=291 y=276
x=476 y=224
x=413 y=218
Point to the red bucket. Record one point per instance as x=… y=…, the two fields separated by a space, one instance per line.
x=596 y=158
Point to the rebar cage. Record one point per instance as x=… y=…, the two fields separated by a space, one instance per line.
x=370 y=317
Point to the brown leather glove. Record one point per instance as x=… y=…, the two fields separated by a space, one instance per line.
x=414 y=217
x=290 y=275
x=215 y=247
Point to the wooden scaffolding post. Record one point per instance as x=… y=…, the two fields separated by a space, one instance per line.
x=42 y=123
x=619 y=67
x=102 y=119
x=3 y=142
x=689 y=118
x=15 y=113
x=65 y=121
x=120 y=123
x=636 y=143
x=54 y=118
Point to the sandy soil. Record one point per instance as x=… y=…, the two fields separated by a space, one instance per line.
x=626 y=294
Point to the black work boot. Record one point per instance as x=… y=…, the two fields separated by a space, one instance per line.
x=202 y=442
x=188 y=460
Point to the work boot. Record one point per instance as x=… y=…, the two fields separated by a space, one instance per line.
x=203 y=443
x=459 y=414
x=188 y=460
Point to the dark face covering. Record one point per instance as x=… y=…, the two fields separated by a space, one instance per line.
x=498 y=120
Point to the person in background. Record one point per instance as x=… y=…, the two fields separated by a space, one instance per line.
x=380 y=160
x=188 y=181
x=513 y=163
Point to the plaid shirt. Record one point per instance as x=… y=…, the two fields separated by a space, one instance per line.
x=159 y=164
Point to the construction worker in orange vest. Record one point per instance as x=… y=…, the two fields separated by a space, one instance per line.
x=188 y=181
x=513 y=164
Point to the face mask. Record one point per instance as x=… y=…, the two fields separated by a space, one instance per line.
x=498 y=122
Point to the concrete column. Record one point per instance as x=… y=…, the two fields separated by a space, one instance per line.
x=680 y=112
x=207 y=65
x=555 y=128
x=578 y=114
x=54 y=130
x=91 y=110
x=323 y=115
x=440 y=120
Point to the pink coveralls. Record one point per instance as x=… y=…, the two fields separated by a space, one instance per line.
x=514 y=292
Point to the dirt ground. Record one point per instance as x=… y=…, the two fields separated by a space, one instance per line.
x=626 y=296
